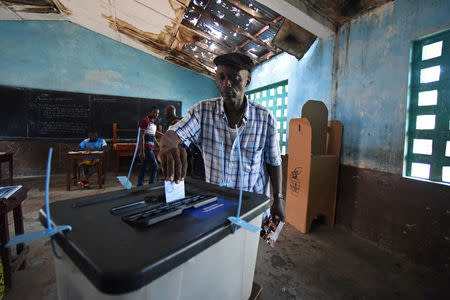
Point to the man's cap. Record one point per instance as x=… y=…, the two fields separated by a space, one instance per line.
x=236 y=60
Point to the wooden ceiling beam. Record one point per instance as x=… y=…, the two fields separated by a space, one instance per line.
x=206 y=35
x=231 y=27
x=256 y=15
x=260 y=32
x=207 y=48
x=265 y=57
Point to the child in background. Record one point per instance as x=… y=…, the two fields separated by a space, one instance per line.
x=93 y=143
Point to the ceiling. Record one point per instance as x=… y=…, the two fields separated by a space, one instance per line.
x=190 y=33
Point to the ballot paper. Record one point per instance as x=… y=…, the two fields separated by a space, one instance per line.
x=271 y=229
x=174 y=191
x=8 y=191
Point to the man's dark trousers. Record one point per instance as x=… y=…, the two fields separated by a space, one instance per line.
x=150 y=165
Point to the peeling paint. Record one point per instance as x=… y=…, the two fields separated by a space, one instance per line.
x=158 y=43
x=62 y=7
x=178 y=10
x=36 y=9
x=30 y=2
x=184 y=60
x=186 y=36
x=30 y=6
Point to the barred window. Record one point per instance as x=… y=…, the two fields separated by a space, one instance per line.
x=427 y=154
x=275 y=98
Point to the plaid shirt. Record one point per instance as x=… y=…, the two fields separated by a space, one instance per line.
x=206 y=124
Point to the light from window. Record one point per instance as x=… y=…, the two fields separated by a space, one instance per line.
x=285 y=112
x=270 y=103
x=432 y=50
x=264 y=94
x=284 y=137
x=446 y=174
x=258 y=95
x=284 y=125
x=428 y=98
x=447 y=149
x=278 y=124
x=283 y=150
x=280 y=90
x=430 y=74
x=286 y=88
x=278 y=113
x=272 y=92
x=264 y=103
x=285 y=100
x=420 y=170
x=252 y=96
x=421 y=146
x=279 y=102
x=425 y=121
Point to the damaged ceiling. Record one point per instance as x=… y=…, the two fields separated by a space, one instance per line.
x=190 y=33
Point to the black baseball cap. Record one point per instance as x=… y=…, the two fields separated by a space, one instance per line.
x=235 y=60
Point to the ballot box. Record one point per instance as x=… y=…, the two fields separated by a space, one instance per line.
x=194 y=255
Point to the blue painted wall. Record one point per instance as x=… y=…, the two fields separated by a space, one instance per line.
x=59 y=55
x=373 y=64
x=309 y=78
x=368 y=90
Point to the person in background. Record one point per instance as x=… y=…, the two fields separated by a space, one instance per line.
x=93 y=143
x=170 y=114
x=147 y=154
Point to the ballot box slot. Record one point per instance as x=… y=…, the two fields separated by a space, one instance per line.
x=165 y=211
x=92 y=200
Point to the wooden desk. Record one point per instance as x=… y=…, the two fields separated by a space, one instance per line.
x=13 y=203
x=4 y=158
x=71 y=166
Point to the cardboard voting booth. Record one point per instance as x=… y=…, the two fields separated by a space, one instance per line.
x=313 y=165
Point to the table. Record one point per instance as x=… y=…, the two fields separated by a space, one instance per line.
x=71 y=166
x=13 y=203
x=180 y=258
x=7 y=157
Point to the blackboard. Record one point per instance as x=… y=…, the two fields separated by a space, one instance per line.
x=43 y=114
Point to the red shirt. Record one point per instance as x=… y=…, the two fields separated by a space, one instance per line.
x=149 y=126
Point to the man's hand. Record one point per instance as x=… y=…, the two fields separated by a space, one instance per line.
x=277 y=208
x=172 y=157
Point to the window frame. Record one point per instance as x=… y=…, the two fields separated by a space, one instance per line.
x=441 y=132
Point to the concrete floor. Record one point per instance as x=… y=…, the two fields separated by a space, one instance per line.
x=325 y=264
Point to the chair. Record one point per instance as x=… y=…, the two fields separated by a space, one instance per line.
x=122 y=149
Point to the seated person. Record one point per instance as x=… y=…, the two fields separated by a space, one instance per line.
x=93 y=143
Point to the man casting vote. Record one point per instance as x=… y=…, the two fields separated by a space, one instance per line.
x=211 y=123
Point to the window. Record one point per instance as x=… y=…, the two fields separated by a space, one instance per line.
x=427 y=154
x=275 y=98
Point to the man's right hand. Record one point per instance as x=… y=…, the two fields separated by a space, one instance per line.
x=172 y=157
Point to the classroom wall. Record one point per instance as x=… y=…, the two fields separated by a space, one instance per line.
x=59 y=55
x=403 y=215
x=362 y=76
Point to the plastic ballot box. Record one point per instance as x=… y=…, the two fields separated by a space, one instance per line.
x=116 y=251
